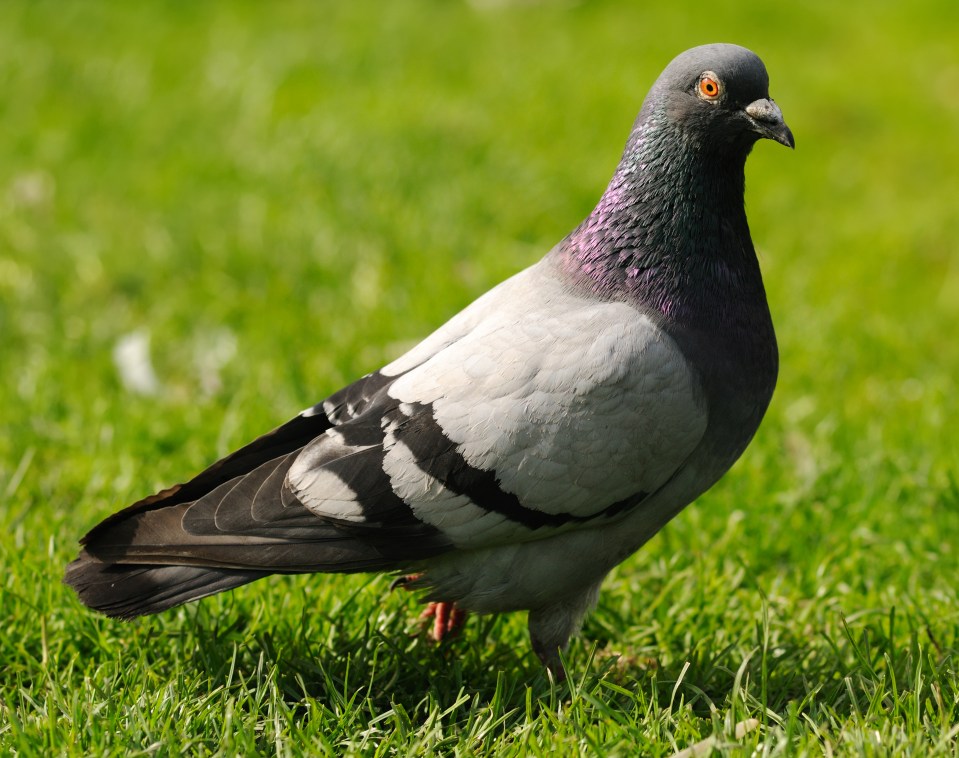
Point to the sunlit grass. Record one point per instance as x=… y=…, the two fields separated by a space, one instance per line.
x=283 y=197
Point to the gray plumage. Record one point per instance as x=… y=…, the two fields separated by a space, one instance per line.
x=537 y=439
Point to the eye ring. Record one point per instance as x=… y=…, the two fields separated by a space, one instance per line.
x=710 y=87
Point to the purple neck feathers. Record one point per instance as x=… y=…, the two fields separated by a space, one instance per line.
x=670 y=233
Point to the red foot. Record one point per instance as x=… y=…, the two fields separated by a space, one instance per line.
x=448 y=620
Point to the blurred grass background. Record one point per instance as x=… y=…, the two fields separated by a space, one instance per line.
x=280 y=197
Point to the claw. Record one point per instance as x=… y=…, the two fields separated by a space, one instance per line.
x=403 y=581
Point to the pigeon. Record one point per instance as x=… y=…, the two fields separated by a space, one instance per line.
x=537 y=439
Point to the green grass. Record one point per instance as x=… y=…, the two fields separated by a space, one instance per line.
x=284 y=196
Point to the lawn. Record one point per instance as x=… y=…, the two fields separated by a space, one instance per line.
x=273 y=199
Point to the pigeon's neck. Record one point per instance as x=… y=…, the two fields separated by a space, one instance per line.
x=670 y=232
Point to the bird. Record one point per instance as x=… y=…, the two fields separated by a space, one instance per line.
x=514 y=457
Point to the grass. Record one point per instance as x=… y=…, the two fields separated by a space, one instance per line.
x=282 y=197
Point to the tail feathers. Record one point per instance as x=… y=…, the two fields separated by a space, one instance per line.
x=149 y=563
x=127 y=591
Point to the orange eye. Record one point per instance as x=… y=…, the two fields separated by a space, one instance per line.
x=709 y=86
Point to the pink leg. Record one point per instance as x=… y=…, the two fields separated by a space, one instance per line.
x=448 y=620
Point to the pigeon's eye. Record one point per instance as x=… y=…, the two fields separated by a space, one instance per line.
x=709 y=86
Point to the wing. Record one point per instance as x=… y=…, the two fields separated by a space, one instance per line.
x=538 y=411
x=272 y=446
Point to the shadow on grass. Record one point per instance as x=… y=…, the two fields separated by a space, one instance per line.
x=355 y=665
x=341 y=661
x=869 y=666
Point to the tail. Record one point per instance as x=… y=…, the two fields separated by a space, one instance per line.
x=227 y=527
x=146 y=561
x=125 y=591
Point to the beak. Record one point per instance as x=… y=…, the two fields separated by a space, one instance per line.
x=768 y=122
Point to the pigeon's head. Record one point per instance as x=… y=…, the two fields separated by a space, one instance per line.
x=719 y=95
